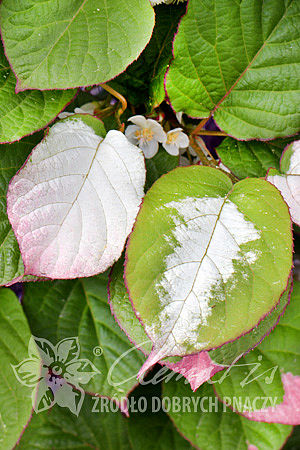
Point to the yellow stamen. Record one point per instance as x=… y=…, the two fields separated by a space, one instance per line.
x=172 y=137
x=145 y=134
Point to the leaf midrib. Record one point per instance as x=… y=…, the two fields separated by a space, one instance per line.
x=57 y=40
x=251 y=62
x=199 y=267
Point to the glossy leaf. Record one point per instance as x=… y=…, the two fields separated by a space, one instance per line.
x=282 y=346
x=214 y=244
x=231 y=352
x=73 y=204
x=208 y=425
x=258 y=374
x=157 y=166
x=58 y=310
x=100 y=430
x=74 y=42
x=143 y=81
x=24 y=113
x=15 y=397
x=201 y=366
x=239 y=61
x=253 y=158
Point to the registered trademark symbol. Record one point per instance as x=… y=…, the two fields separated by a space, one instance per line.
x=98 y=351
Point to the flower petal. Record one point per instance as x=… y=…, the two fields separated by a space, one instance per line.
x=183 y=140
x=149 y=148
x=158 y=131
x=87 y=108
x=172 y=149
x=130 y=134
x=141 y=121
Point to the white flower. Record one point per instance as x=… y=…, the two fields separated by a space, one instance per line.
x=87 y=108
x=176 y=139
x=146 y=133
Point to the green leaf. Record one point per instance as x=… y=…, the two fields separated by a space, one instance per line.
x=249 y=382
x=62 y=430
x=143 y=81
x=73 y=42
x=257 y=374
x=15 y=397
x=100 y=430
x=24 y=113
x=61 y=309
x=282 y=346
x=253 y=158
x=219 y=427
x=239 y=61
x=122 y=309
x=12 y=156
x=225 y=355
x=231 y=352
x=157 y=166
x=91 y=121
x=204 y=262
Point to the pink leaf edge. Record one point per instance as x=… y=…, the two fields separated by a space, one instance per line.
x=288 y=412
x=196 y=368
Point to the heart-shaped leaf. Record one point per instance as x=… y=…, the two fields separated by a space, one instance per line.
x=201 y=366
x=289 y=182
x=74 y=202
x=222 y=263
x=75 y=43
x=24 y=113
x=239 y=61
x=15 y=391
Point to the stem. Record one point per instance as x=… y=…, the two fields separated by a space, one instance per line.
x=200 y=153
x=211 y=133
x=200 y=125
x=117 y=95
x=203 y=147
x=123 y=102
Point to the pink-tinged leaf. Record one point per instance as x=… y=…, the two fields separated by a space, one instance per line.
x=289 y=182
x=196 y=368
x=74 y=202
x=288 y=412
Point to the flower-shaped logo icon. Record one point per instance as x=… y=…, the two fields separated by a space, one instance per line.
x=56 y=372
